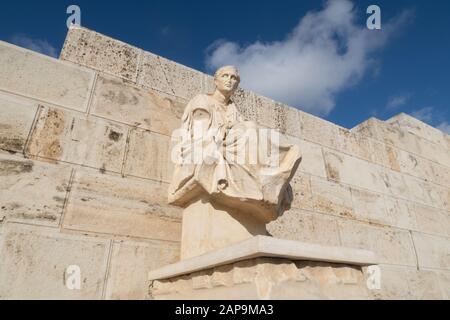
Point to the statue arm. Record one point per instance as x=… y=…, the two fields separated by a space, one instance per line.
x=196 y=110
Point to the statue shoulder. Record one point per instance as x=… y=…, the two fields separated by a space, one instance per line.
x=200 y=101
x=199 y=98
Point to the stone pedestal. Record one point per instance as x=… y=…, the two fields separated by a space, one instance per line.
x=267 y=268
x=264 y=279
x=209 y=226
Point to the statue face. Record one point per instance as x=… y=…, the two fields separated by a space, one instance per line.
x=227 y=81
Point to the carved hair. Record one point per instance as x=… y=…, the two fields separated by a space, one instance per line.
x=222 y=69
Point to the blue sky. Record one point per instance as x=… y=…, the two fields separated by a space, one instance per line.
x=314 y=55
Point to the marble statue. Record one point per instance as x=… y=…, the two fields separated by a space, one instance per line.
x=231 y=164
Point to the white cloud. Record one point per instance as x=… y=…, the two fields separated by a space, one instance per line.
x=424 y=114
x=397 y=101
x=324 y=54
x=38 y=45
x=444 y=127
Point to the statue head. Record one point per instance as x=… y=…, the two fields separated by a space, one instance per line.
x=227 y=79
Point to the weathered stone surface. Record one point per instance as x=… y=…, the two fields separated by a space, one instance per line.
x=245 y=102
x=152 y=75
x=423 y=192
x=427 y=285
x=333 y=282
x=301 y=189
x=394 y=283
x=398 y=137
x=115 y=100
x=368 y=128
x=414 y=165
x=37 y=76
x=440 y=174
x=149 y=156
x=398 y=282
x=267 y=278
x=431 y=220
x=407 y=141
x=331 y=198
x=369 y=206
x=275 y=115
x=130 y=262
x=395 y=183
x=318 y=130
x=444 y=283
x=306 y=227
x=432 y=251
x=378 y=152
x=32 y=192
x=208 y=85
x=169 y=77
x=184 y=82
x=434 y=152
x=402 y=138
x=399 y=213
x=16 y=119
x=74 y=138
x=392 y=246
x=312 y=157
x=417 y=127
x=444 y=194
x=288 y=120
x=353 y=171
x=354 y=144
x=99 y=52
x=361 y=142
x=38 y=257
x=265 y=111
x=391 y=157
x=121 y=206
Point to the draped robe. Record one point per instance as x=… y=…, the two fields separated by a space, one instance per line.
x=229 y=160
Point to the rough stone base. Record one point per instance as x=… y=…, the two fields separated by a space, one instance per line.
x=266 y=278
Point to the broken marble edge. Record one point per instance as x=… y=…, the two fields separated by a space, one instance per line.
x=264 y=246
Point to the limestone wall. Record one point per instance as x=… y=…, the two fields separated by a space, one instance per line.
x=84 y=170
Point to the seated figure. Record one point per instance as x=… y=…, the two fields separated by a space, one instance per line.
x=231 y=161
